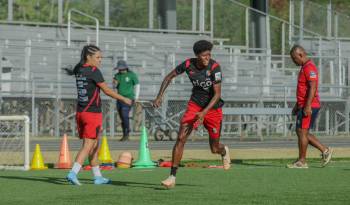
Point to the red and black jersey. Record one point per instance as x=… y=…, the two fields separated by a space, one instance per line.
x=87 y=80
x=202 y=81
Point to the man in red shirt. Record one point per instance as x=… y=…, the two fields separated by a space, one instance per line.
x=306 y=108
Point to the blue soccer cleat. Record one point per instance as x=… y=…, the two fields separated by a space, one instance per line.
x=101 y=180
x=72 y=178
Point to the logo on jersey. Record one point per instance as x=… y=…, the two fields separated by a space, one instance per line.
x=313 y=74
x=218 y=76
x=204 y=84
x=127 y=79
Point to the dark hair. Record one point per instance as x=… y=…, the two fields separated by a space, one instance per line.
x=87 y=50
x=201 y=46
x=295 y=48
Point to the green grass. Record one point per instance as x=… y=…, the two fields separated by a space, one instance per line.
x=248 y=182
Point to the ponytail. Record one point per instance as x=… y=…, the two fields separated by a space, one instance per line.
x=87 y=50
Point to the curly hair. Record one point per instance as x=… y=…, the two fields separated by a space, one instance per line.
x=201 y=46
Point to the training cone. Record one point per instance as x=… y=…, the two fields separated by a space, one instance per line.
x=37 y=161
x=124 y=161
x=104 y=155
x=64 y=160
x=144 y=160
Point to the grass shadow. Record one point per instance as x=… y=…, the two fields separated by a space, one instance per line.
x=52 y=180
x=144 y=185
x=243 y=163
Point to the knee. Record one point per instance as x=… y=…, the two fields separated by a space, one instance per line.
x=214 y=149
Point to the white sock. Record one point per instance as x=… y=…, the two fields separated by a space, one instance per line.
x=76 y=167
x=96 y=171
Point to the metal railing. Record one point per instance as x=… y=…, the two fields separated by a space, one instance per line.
x=69 y=26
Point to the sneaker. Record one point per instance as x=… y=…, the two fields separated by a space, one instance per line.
x=326 y=156
x=298 y=165
x=226 y=160
x=101 y=180
x=169 y=182
x=72 y=178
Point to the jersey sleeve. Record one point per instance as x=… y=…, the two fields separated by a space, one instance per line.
x=181 y=68
x=97 y=76
x=311 y=73
x=216 y=75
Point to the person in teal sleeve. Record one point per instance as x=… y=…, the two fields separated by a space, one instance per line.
x=127 y=84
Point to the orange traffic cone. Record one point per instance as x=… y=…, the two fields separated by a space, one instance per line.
x=37 y=161
x=104 y=155
x=64 y=160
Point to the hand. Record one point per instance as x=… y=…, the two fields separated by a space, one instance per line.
x=157 y=102
x=128 y=101
x=200 y=116
x=307 y=111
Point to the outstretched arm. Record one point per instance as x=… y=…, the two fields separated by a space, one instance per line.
x=158 y=101
x=104 y=87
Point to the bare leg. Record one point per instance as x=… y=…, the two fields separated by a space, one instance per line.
x=93 y=155
x=303 y=142
x=84 y=151
x=184 y=132
x=316 y=143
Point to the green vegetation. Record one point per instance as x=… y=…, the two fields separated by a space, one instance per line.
x=229 y=18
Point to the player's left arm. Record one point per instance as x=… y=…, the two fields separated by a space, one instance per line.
x=311 y=76
x=310 y=96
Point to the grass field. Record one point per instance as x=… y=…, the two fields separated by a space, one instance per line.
x=248 y=182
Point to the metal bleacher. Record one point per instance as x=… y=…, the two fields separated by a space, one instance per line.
x=34 y=55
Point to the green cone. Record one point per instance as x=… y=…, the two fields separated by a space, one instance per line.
x=144 y=160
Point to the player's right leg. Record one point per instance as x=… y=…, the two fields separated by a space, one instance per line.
x=184 y=132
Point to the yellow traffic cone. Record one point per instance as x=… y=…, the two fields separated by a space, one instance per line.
x=104 y=155
x=37 y=161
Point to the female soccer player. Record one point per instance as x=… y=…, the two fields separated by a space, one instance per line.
x=89 y=81
x=204 y=106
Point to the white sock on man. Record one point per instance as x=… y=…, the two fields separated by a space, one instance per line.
x=76 y=167
x=96 y=171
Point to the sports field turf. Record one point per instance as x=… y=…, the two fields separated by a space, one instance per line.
x=248 y=182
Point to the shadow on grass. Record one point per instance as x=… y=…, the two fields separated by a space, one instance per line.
x=145 y=185
x=52 y=180
x=241 y=162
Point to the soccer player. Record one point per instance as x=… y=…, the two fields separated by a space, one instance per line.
x=89 y=81
x=306 y=108
x=203 y=107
